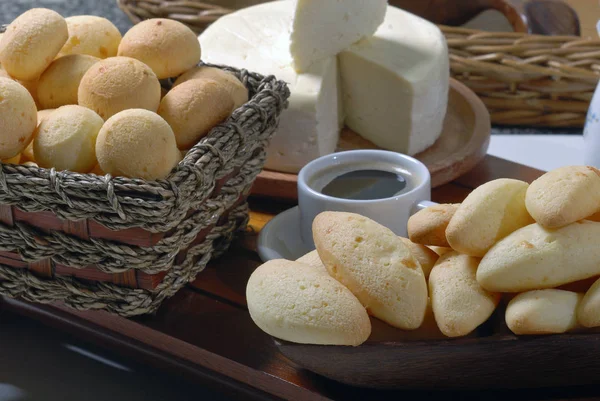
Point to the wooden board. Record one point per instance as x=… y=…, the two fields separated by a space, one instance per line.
x=463 y=143
x=204 y=333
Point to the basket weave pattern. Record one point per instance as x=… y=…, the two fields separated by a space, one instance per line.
x=198 y=15
x=527 y=79
x=193 y=213
x=523 y=79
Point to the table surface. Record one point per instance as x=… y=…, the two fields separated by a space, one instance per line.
x=205 y=332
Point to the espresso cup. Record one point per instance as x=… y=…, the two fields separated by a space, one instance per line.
x=392 y=212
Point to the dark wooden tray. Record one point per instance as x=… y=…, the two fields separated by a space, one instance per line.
x=205 y=334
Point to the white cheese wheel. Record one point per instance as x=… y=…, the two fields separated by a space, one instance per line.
x=394 y=84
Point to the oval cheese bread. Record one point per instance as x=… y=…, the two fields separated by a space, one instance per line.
x=298 y=303
x=537 y=258
x=588 y=312
x=375 y=265
x=459 y=303
x=543 y=312
x=424 y=255
x=564 y=196
x=428 y=226
x=491 y=212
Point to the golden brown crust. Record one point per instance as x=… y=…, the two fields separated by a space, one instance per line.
x=459 y=303
x=491 y=212
x=59 y=84
x=428 y=226
x=167 y=46
x=375 y=265
x=119 y=83
x=18 y=118
x=137 y=143
x=31 y=42
x=298 y=303
x=193 y=108
x=564 y=196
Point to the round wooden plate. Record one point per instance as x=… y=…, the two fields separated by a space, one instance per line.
x=462 y=145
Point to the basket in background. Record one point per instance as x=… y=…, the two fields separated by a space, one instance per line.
x=524 y=79
x=125 y=245
x=529 y=80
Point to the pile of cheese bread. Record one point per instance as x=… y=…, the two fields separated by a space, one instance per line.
x=379 y=70
x=76 y=95
x=531 y=248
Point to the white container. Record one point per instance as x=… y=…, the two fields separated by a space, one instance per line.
x=591 y=132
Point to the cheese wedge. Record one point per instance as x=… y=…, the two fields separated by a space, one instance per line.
x=395 y=84
x=323 y=28
x=258 y=39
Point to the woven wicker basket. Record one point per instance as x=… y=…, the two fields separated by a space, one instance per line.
x=523 y=79
x=124 y=245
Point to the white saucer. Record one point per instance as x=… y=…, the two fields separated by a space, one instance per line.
x=280 y=238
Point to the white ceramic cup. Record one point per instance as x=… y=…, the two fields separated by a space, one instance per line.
x=391 y=212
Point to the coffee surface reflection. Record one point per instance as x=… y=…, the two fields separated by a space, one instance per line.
x=366 y=185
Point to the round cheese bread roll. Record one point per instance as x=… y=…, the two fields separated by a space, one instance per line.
x=375 y=265
x=424 y=255
x=298 y=303
x=31 y=42
x=491 y=212
x=564 y=196
x=28 y=151
x=459 y=303
x=31 y=86
x=313 y=259
x=117 y=84
x=66 y=139
x=238 y=91
x=543 y=312
x=18 y=118
x=59 y=84
x=169 y=47
x=428 y=226
x=91 y=35
x=137 y=143
x=534 y=257
x=194 y=108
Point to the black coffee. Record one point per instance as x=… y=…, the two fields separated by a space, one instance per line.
x=366 y=185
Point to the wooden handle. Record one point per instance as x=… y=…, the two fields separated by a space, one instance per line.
x=544 y=17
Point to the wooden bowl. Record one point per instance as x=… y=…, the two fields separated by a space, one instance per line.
x=462 y=145
x=500 y=361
